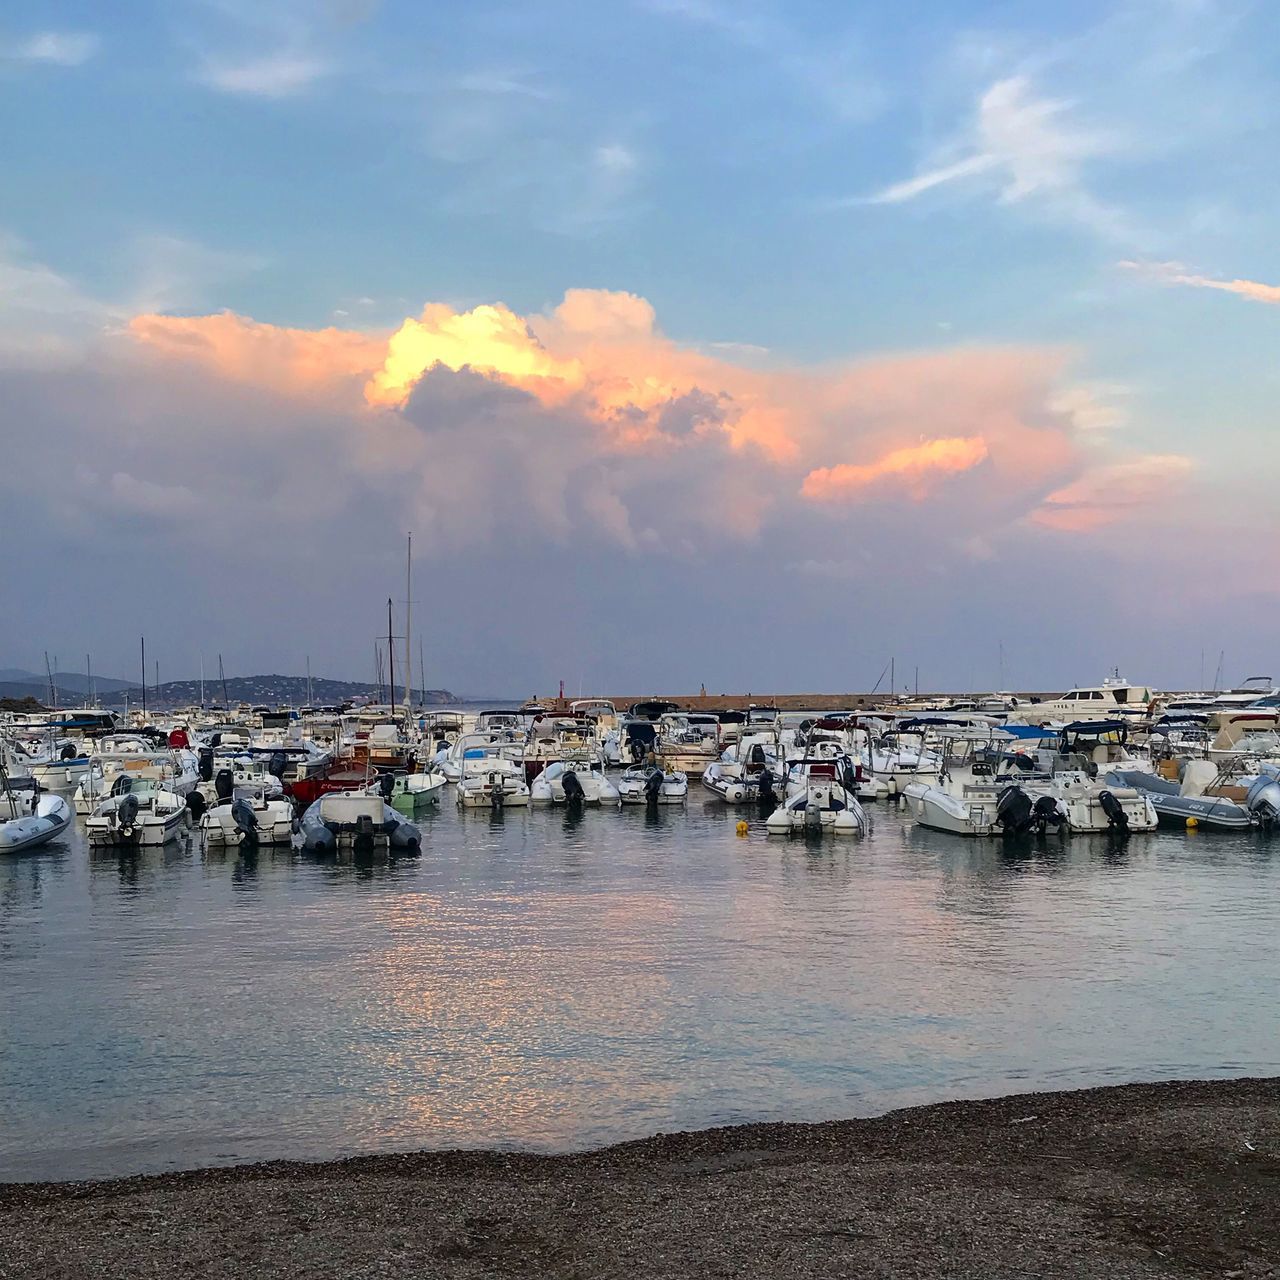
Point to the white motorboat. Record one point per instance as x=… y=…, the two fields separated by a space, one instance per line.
x=648 y=784
x=452 y=760
x=142 y=815
x=250 y=818
x=818 y=801
x=174 y=771
x=835 y=746
x=492 y=777
x=1113 y=699
x=57 y=764
x=688 y=742
x=29 y=816
x=747 y=771
x=989 y=787
x=573 y=782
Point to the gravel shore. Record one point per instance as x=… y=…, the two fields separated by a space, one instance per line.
x=1173 y=1179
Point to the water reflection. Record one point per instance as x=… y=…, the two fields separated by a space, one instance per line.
x=554 y=978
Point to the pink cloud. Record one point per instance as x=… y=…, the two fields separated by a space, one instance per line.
x=1111 y=492
x=918 y=466
x=1175 y=273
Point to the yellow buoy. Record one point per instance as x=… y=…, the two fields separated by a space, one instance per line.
x=1192 y=823
x=742 y=828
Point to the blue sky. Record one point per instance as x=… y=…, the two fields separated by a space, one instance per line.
x=795 y=187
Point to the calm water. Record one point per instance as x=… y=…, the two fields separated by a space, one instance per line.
x=545 y=983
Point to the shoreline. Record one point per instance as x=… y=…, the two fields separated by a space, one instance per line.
x=1178 y=1178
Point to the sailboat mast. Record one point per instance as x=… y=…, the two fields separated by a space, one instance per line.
x=422 y=676
x=53 y=691
x=144 y=677
x=391 y=658
x=202 y=682
x=408 y=630
x=88 y=674
x=309 y=698
x=226 y=702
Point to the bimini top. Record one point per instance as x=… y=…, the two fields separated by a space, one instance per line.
x=653 y=709
x=1094 y=728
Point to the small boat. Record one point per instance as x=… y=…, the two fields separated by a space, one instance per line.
x=29 y=816
x=139 y=814
x=746 y=771
x=647 y=784
x=350 y=821
x=818 y=801
x=492 y=777
x=1203 y=797
x=249 y=819
x=409 y=793
x=573 y=782
x=56 y=766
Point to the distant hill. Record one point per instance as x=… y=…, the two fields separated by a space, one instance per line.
x=273 y=690
x=270 y=690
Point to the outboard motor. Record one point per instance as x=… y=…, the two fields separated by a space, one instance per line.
x=386 y=784
x=224 y=784
x=764 y=787
x=216 y=740
x=1013 y=810
x=127 y=816
x=1263 y=799
x=196 y=805
x=1117 y=819
x=122 y=785
x=573 y=792
x=849 y=778
x=1046 y=813
x=246 y=820
x=637 y=750
x=204 y=764
x=363 y=842
x=276 y=765
x=68 y=752
x=652 y=785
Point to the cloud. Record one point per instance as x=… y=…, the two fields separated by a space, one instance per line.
x=1176 y=273
x=918 y=465
x=275 y=75
x=1030 y=146
x=1111 y=492
x=56 y=48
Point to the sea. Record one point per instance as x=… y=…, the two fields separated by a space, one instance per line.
x=543 y=980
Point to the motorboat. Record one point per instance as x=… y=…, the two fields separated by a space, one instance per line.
x=648 y=784
x=249 y=817
x=29 y=816
x=688 y=742
x=818 y=801
x=349 y=821
x=573 y=782
x=57 y=764
x=492 y=777
x=452 y=760
x=1114 y=698
x=818 y=743
x=561 y=739
x=409 y=793
x=989 y=785
x=139 y=814
x=1207 y=797
x=176 y=771
x=747 y=771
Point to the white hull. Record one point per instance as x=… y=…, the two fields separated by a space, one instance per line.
x=51 y=817
x=148 y=830
x=60 y=775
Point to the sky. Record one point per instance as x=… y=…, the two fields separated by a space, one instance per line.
x=748 y=345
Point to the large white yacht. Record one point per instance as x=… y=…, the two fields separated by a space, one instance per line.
x=1113 y=699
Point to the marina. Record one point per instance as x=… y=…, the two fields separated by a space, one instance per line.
x=577 y=971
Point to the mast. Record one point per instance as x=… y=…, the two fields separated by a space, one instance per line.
x=226 y=702
x=88 y=672
x=53 y=691
x=157 y=685
x=144 y=677
x=202 y=682
x=422 y=676
x=391 y=659
x=408 y=630
x=309 y=699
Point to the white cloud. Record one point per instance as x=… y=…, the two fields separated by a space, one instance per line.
x=57 y=48
x=1176 y=273
x=277 y=75
x=1029 y=146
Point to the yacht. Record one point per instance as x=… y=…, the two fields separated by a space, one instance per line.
x=1114 y=698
